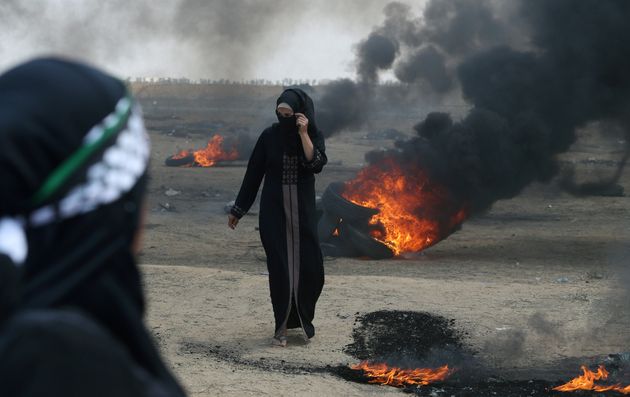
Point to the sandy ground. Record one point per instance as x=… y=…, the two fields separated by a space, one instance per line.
x=543 y=252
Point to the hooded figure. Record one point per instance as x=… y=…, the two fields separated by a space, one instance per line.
x=73 y=168
x=288 y=160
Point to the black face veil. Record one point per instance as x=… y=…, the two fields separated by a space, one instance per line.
x=300 y=102
x=72 y=176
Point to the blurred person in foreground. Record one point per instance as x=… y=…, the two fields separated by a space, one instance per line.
x=73 y=171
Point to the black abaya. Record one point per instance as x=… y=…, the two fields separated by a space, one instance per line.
x=288 y=221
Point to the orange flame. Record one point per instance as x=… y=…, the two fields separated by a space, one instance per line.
x=383 y=374
x=214 y=152
x=180 y=155
x=415 y=212
x=587 y=382
x=211 y=154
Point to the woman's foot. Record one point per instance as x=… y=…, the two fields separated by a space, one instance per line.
x=305 y=336
x=279 y=341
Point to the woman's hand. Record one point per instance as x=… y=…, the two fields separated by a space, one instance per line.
x=232 y=221
x=307 y=144
x=302 y=123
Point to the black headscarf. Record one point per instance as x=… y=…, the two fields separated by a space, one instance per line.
x=73 y=174
x=300 y=102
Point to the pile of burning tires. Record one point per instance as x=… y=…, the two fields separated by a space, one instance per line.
x=344 y=227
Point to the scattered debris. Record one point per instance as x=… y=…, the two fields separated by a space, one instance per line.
x=562 y=280
x=167 y=207
x=172 y=192
x=595 y=161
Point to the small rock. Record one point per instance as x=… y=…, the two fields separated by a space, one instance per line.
x=172 y=192
x=595 y=275
x=562 y=280
x=167 y=207
x=503 y=328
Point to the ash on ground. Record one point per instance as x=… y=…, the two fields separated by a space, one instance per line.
x=409 y=339
x=408 y=336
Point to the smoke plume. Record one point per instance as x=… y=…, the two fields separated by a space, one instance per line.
x=423 y=51
x=430 y=46
x=376 y=53
x=527 y=102
x=344 y=105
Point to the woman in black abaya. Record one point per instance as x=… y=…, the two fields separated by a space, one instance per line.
x=73 y=171
x=287 y=155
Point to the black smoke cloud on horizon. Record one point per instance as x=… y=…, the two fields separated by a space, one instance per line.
x=344 y=105
x=376 y=53
x=528 y=97
x=422 y=51
x=429 y=47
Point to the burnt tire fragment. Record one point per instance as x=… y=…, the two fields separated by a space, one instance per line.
x=339 y=248
x=335 y=204
x=326 y=226
x=365 y=244
x=319 y=211
x=179 y=162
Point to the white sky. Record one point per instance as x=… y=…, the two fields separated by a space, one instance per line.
x=320 y=45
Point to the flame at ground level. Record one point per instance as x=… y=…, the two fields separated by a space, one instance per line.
x=180 y=155
x=383 y=374
x=587 y=382
x=415 y=212
x=211 y=154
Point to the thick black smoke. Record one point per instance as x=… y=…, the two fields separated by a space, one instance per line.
x=345 y=104
x=424 y=51
x=527 y=104
x=461 y=27
x=376 y=53
x=427 y=64
x=342 y=106
x=447 y=31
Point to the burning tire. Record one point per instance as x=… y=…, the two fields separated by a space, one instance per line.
x=335 y=204
x=339 y=249
x=326 y=226
x=366 y=245
x=174 y=161
x=319 y=211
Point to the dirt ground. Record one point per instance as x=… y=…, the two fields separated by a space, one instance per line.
x=543 y=254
